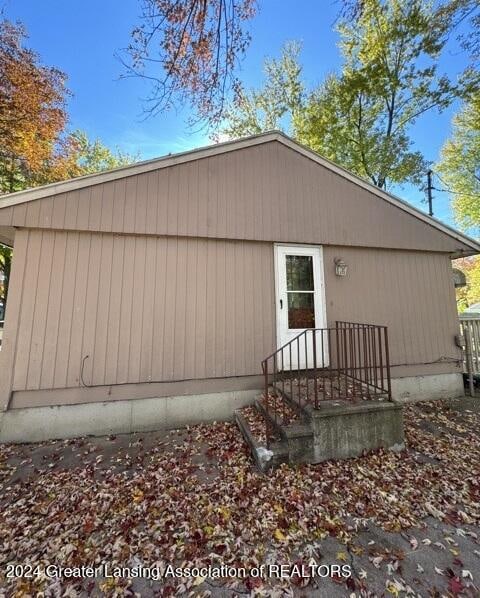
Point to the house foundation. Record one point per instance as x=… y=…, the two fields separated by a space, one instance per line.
x=413 y=389
x=380 y=423
x=36 y=424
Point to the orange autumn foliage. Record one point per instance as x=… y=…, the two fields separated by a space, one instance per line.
x=34 y=148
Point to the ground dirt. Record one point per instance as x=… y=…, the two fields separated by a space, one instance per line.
x=405 y=524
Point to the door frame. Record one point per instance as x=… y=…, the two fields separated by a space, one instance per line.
x=318 y=281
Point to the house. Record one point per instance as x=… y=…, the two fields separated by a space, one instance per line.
x=149 y=295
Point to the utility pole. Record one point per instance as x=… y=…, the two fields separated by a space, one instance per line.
x=429 y=193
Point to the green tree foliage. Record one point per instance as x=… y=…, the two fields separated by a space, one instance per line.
x=189 y=51
x=469 y=294
x=361 y=117
x=459 y=165
x=275 y=105
x=94 y=156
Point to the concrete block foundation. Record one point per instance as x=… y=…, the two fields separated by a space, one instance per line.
x=36 y=424
x=413 y=389
x=333 y=434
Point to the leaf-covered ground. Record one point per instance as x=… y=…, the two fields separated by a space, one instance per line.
x=405 y=523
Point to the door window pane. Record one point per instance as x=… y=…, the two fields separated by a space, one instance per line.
x=301 y=313
x=299 y=273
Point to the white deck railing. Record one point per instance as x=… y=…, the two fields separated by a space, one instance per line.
x=470 y=328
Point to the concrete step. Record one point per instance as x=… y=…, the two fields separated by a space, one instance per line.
x=252 y=423
x=337 y=430
x=301 y=412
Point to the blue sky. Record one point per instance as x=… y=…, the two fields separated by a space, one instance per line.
x=82 y=37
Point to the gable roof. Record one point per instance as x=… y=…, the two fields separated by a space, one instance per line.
x=53 y=189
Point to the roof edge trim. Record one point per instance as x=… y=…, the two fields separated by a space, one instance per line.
x=106 y=176
x=52 y=189
x=389 y=197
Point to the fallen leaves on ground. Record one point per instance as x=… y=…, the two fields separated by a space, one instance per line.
x=194 y=498
x=279 y=409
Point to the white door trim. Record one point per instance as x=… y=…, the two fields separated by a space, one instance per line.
x=280 y=250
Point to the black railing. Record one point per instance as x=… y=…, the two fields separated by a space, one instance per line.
x=347 y=362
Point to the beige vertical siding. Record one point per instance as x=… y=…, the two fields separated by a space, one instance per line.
x=410 y=292
x=168 y=276
x=162 y=309
x=267 y=192
x=142 y=308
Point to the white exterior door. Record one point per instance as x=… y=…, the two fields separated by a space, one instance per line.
x=300 y=298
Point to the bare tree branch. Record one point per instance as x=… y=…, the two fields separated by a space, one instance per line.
x=189 y=51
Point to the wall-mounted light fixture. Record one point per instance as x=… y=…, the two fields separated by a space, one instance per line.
x=459 y=278
x=340 y=267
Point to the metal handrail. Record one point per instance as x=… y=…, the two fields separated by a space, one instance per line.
x=289 y=342
x=341 y=362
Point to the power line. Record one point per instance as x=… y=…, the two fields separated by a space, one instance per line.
x=447 y=190
x=456 y=192
x=439 y=178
